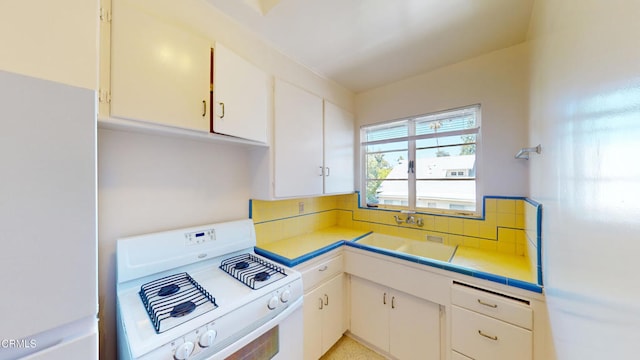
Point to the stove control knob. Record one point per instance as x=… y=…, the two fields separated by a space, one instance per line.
x=273 y=302
x=285 y=296
x=207 y=338
x=184 y=351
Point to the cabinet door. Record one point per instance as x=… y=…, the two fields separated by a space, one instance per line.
x=370 y=312
x=312 y=309
x=240 y=93
x=298 y=142
x=414 y=326
x=338 y=150
x=159 y=70
x=333 y=312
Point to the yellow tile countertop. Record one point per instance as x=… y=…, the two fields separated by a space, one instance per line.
x=302 y=245
x=502 y=268
x=492 y=262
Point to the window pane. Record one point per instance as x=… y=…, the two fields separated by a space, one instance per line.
x=381 y=168
x=445 y=162
x=399 y=145
x=447 y=195
x=390 y=192
x=446 y=140
x=393 y=130
x=391 y=165
x=441 y=123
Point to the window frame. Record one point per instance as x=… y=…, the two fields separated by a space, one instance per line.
x=411 y=149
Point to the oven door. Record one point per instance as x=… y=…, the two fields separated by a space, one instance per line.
x=281 y=338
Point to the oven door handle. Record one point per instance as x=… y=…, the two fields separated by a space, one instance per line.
x=248 y=338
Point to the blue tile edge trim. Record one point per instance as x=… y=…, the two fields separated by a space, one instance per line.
x=415 y=259
x=299 y=260
x=306 y=257
x=539 y=241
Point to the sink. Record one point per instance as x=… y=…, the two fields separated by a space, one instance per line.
x=412 y=247
x=382 y=241
x=429 y=250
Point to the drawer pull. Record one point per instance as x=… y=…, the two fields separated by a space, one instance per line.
x=487 y=304
x=494 y=338
x=323 y=268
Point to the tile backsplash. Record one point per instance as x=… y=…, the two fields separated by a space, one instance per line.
x=508 y=225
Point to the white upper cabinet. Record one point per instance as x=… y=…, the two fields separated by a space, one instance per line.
x=160 y=70
x=298 y=142
x=241 y=94
x=313 y=144
x=338 y=150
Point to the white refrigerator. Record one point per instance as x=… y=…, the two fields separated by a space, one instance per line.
x=48 y=241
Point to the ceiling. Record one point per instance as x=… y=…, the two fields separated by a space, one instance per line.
x=362 y=44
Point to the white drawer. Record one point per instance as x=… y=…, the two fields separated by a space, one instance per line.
x=457 y=356
x=323 y=271
x=483 y=338
x=497 y=306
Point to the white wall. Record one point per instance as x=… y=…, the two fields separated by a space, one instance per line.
x=52 y=40
x=497 y=81
x=585 y=111
x=149 y=183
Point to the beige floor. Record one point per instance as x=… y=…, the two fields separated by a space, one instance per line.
x=347 y=348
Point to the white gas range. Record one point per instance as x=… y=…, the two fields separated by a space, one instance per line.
x=202 y=293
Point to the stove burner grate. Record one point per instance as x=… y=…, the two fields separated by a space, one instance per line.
x=173 y=297
x=252 y=270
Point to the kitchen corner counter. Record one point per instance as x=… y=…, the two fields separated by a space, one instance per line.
x=298 y=249
x=483 y=264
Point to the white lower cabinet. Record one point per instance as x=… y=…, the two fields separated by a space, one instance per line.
x=324 y=305
x=323 y=317
x=488 y=326
x=403 y=325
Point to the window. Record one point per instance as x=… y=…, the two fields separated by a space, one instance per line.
x=427 y=162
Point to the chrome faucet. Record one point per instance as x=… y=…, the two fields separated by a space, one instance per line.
x=410 y=220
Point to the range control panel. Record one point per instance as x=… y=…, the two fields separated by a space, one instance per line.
x=200 y=237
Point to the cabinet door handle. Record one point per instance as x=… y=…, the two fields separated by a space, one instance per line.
x=326 y=299
x=393 y=302
x=204 y=108
x=323 y=268
x=321 y=303
x=327 y=171
x=384 y=299
x=321 y=172
x=487 y=304
x=222 y=105
x=494 y=338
